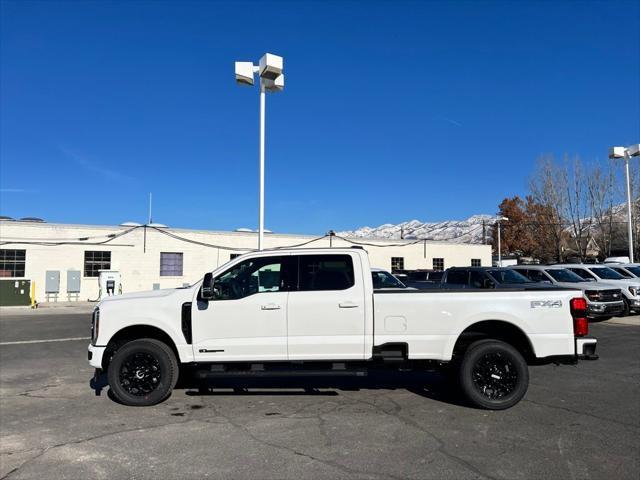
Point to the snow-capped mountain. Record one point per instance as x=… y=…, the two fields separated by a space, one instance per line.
x=464 y=231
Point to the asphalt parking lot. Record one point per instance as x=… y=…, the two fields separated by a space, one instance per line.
x=575 y=422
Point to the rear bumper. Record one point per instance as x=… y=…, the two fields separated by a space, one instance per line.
x=586 y=348
x=95 y=356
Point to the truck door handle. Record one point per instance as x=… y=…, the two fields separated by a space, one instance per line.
x=270 y=306
x=348 y=305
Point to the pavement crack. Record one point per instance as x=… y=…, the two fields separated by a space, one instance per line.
x=632 y=427
x=44 y=450
x=300 y=453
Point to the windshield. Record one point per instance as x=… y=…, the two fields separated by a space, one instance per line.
x=635 y=270
x=606 y=273
x=564 y=275
x=385 y=280
x=508 y=276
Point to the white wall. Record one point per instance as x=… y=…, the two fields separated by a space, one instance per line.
x=139 y=261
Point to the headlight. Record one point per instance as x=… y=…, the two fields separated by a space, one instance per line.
x=592 y=295
x=95 y=325
x=634 y=290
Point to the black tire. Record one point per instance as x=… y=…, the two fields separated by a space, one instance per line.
x=627 y=309
x=493 y=375
x=143 y=372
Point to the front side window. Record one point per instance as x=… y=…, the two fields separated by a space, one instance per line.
x=397 y=263
x=170 y=264
x=96 y=261
x=476 y=262
x=438 y=264
x=635 y=270
x=537 y=276
x=325 y=272
x=583 y=273
x=255 y=275
x=477 y=279
x=622 y=272
x=564 y=275
x=12 y=263
x=606 y=273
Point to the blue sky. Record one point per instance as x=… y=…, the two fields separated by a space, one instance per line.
x=392 y=110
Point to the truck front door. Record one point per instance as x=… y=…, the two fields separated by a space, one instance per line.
x=326 y=308
x=247 y=319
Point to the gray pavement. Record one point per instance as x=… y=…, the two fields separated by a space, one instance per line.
x=575 y=422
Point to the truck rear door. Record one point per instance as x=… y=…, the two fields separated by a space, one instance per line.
x=326 y=309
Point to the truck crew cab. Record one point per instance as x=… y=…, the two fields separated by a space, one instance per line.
x=315 y=312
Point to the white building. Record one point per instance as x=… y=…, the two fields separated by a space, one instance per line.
x=149 y=258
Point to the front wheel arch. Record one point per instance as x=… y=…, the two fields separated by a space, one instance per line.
x=135 y=332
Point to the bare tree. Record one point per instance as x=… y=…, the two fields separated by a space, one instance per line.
x=547 y=186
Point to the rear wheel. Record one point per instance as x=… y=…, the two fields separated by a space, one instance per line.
x=493 y=375
x=143 y=372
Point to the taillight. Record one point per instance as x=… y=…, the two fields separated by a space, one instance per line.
x=579 y=314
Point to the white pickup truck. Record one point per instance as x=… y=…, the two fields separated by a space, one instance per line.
x=315 y=313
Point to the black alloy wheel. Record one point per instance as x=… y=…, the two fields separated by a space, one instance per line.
x=142 y=372
x=493 y=375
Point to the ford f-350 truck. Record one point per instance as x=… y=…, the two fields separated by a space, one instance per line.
x=314 y=312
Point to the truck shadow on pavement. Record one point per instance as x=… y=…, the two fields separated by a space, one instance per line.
x=432 y=385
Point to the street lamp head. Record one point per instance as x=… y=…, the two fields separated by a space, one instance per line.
x=505 y=219
x=276 y=85
x=270 y=66
x=244 y=73
x=634 y=150
x=616 y=152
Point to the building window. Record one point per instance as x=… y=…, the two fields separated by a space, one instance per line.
x=475 y=262
x=170 y=264
x=12 y=263
x=96 y=261
x=438 y=264
x=397 y=263
x=234 y=255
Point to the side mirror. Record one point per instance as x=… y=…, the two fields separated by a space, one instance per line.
x=206 y=291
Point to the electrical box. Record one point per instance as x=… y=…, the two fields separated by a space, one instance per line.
x=52 y=281
x=14 y=293
x=73 y=281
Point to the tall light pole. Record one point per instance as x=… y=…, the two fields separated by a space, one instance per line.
x=627 y=153
x=499 y=219
x=269 y=69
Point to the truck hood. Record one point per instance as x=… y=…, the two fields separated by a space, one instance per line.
x=140 y=295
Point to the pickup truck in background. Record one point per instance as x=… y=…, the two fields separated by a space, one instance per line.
x=603 y=302
x=486 y=277
x=603 y=275
x=314 y=312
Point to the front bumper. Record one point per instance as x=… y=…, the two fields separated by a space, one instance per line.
x=586 y=348
x=95 y=355
x=605 y=309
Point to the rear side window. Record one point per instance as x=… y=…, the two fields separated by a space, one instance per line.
x=536 y=276
x=325 y=272
x=458 y=277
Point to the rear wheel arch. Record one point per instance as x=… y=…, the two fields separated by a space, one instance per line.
x=497 y=330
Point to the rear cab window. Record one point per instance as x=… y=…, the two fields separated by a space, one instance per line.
x=325 y=272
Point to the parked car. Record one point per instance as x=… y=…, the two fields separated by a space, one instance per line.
x=422 y=279
x=487 y=277
x=603 y=302
x=314 y=312
x=385 y=280
x=630 y=287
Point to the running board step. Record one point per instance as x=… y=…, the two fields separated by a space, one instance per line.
x=201 y=374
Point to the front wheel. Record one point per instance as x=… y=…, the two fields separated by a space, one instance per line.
x=143 y=372
x=493 y=375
